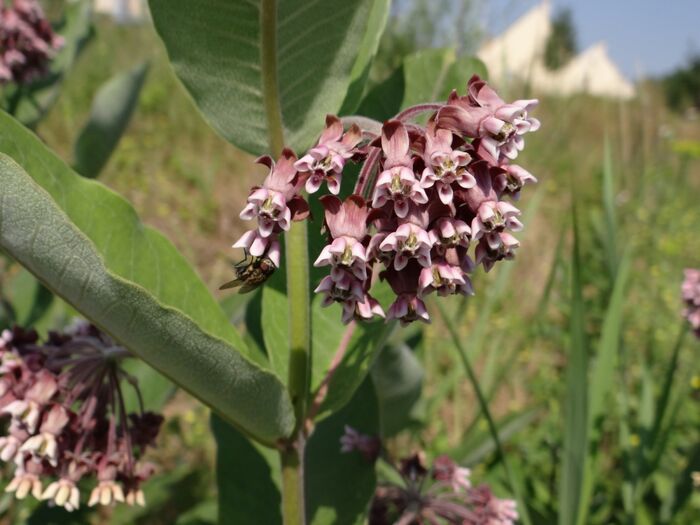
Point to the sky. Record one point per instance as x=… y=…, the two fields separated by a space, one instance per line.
x=644 y=37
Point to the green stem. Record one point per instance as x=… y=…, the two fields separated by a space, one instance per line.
x=297 y=263
x=522 y=509
x=293 y=484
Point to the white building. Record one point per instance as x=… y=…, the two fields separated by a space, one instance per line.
x=519 y=54
x=123 y=11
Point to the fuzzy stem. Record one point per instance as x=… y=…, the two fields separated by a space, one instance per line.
x=297 y=264
x=368 y=166
x=366 y=124
x=416 y=110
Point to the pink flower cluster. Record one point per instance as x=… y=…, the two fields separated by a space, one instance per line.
x=424 y=196
x=690 y=292
x=27 y=42
x=68 y=421
x=429 y=494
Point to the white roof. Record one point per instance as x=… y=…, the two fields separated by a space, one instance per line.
x=519 y=53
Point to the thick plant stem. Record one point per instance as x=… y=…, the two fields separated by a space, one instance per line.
x=297 y=263
x=292 y=461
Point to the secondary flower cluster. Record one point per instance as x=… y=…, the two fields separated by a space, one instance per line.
x=68 y=421
x=440 y=493
x=424 y=196
x=691 y=298
x=27 y=42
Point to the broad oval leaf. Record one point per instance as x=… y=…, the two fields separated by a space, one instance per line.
x=339 y=486
x=111 y=112
x=87 y=245
x=216 y=46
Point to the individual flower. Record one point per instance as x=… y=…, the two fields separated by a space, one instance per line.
x=354 y=441
x=445 y=279
x=258 y=246
x=484 y=115
x=276 y=202
x=409 y=241
x=326 y=160
x=408 y=306
x=511 y=180
x=443 y=165
x=690 y=292
x=397 y=183
x=347 y=225
x=491 y=510
x=63 y=493
x=447 y=471
x=494 y=247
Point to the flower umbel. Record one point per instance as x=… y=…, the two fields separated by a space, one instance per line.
x=68 y=421
x=423 y=197
x=27 y=42
x=440 y=493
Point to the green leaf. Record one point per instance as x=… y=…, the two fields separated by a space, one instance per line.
x=111 y=111
x=576 y=400
x=339 y=486
x=605 y=365
x=378 y=17
x=433 y=73
x=217 y=47
x=248 y=478
x=425 y=76
x=479 y=446
x=38 y=98
x=398 y=379
x=86 y=244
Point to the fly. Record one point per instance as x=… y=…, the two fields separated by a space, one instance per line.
x=251 y=272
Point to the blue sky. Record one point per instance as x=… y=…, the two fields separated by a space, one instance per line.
x=644 y=37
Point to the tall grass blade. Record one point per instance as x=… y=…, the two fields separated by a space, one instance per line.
x=610 y=240
x=576 y=399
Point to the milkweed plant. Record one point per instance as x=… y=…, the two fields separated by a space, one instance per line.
x=368 y=214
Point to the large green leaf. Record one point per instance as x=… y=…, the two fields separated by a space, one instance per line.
x=111 y=111
x=370 y=43
x=425 y=76
x=248 y=479
x=398 y=379
x=87 y=245
x=217 y=50
x=339 y=485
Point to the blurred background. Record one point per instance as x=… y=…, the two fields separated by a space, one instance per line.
x=619 y=90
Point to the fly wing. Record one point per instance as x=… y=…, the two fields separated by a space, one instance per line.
x=231 y=284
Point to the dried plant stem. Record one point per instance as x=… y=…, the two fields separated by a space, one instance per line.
x=297 y=264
